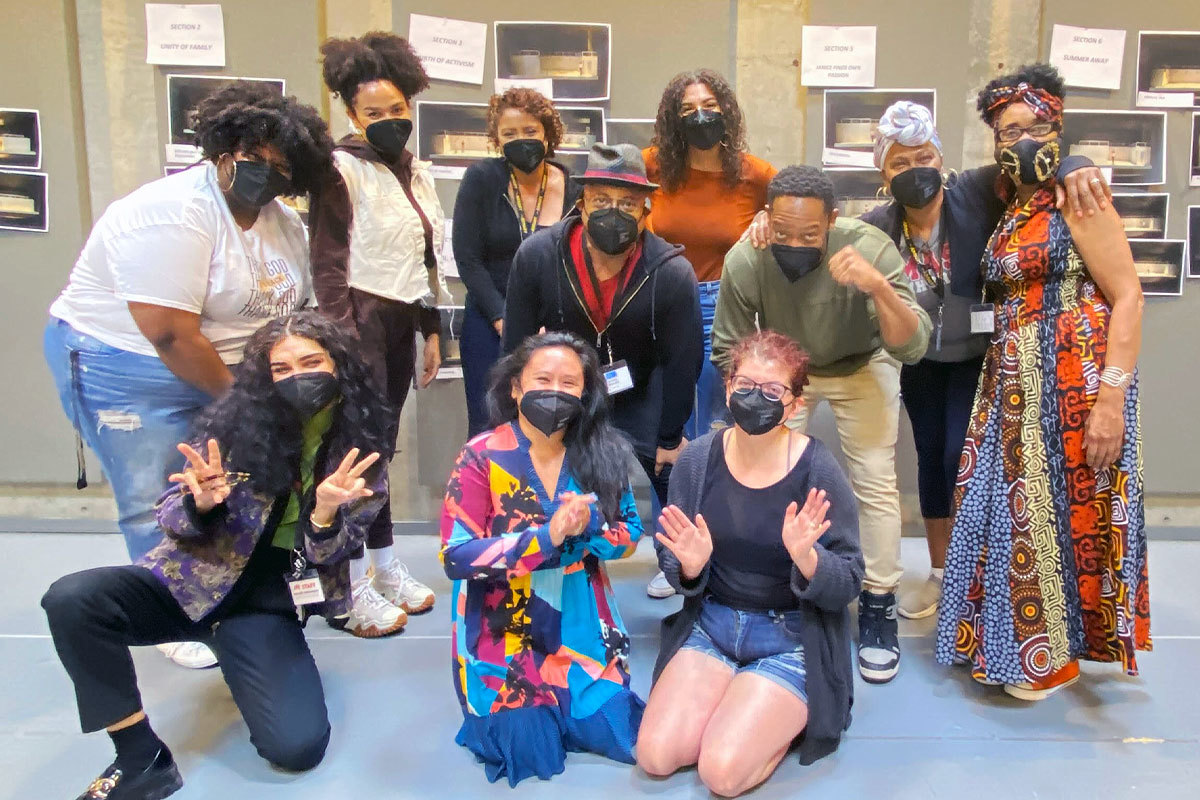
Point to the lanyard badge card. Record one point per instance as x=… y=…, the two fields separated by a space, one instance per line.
x=983 y=315
x=617 y=376
x=303 y=581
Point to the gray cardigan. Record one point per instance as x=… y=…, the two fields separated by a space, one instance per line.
x=823 y=600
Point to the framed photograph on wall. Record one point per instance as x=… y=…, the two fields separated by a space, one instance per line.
x=1144 y=214
x=1159 y=264
x=576 y=56
x=851 y=117
x=583 y=126
x=638 y=132
x=1168 y=71
x=452 y=136
x=184 y=95
x=23 y=201
x=856 y=190
x=1133 y=143
x=1194 y=168
x=20 y=138
x=1193 y=239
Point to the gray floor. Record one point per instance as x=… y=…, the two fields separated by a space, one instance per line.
x=931 y=733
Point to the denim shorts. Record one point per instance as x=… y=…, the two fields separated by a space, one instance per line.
x=763 y=643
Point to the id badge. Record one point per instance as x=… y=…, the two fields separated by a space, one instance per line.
x=983 y=318
x=307 y=589
x=617 y=377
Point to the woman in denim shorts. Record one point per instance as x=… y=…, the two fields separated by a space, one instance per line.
x=760 y=536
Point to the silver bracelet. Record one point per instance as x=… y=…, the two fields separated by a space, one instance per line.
x=1117 y=378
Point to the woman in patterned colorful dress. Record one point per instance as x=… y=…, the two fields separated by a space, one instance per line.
x=1047 y=559
x=540 y=655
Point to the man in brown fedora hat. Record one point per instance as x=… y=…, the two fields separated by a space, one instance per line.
x=601 y=275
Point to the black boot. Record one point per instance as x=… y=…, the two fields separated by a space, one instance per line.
x=160 y=779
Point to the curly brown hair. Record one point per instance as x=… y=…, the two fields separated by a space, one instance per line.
x=374 y=56
x=668 y=129
x=533 y=103
x=245 y=115
x=769 y=345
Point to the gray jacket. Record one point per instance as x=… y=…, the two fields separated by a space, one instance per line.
x=823 y=600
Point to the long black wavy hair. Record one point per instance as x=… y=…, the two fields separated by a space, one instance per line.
x=668 y=129
x=260 y=434
x=598 y=453
x=248 y=114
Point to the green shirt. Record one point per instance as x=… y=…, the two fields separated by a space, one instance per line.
x=314 y=433
x=837 y=325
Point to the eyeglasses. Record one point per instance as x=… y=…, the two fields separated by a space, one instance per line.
x=631 y=206
x=1037 y=130
x=771 y=390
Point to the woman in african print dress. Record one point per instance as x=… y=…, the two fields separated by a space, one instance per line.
x=1047 y=559
x=540 y=655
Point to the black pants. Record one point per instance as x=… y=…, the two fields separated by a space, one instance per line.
x=938 y=397
x=480 y=349
x=96 y=615
x=659 y=482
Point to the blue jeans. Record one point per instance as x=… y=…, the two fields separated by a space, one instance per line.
x=710 y=410
x=763 y=643
x=131 y=411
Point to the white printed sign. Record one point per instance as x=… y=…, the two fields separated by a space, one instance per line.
x=834 y=156
x=192 y=35
x=1089 y=57
x=543 y=86
x=837 y=55
x=449 y=265
x=447 y=172
x=1166 y=99
x=450 y=49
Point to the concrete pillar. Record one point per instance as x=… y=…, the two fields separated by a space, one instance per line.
x=767 y=63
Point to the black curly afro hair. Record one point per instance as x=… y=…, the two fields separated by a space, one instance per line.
x=374 y=56
x=249 y=114
x=1039 y=76
x=802 y=180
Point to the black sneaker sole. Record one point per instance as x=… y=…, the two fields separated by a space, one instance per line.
x=164 y=784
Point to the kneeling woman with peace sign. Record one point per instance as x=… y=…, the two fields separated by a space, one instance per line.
x=285 y=474
x=761 y=538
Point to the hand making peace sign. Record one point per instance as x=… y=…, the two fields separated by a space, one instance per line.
x=345 y=484
x=204 y=478
x=802 y=528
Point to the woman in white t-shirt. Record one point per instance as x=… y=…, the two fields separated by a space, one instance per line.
x=173 y=280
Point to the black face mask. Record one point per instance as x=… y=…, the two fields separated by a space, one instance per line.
x=755 y=413
x=525 y=154
x=704 y=129
x=612 y=230
x=1028 y=162
x=916 y=188
x=256 y=183
x=550 y=411
x=308 y=392
x=388 y=136
x=796 y=262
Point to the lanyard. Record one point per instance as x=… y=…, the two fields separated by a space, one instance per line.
x=528 y=226
x=935 y=281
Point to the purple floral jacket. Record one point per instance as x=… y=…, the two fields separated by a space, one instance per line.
x=201 y=557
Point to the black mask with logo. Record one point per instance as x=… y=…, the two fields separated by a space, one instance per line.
x=389 y=136
x=550 y=411
x=1030 y=162
x=308 y=392
x=704 y=129
x=256 y=183
x=525 y=154
x=916 y=187
x=754 y=412
x=612 y=230
x=796 y=262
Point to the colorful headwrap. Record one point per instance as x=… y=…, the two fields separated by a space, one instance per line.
x=1045 y=105
x=907 y=123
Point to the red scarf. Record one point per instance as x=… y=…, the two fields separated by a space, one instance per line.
x=599 y=308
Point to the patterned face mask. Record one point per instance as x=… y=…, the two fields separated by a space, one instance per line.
x=1029 y=162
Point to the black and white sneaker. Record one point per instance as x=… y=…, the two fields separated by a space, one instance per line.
x=878 y=637
x=160 y=779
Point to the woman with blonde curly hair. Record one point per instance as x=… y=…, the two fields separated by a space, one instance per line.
x=502 y=201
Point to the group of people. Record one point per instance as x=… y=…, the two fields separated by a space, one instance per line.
x=684 y=308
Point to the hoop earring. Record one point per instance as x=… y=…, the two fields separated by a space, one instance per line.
x=232 y=175
x=883 y=193
x=949 y=177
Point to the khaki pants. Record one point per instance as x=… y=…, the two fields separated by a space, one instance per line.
x=866 y=405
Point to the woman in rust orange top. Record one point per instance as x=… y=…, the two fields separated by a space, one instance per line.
x=711 y=188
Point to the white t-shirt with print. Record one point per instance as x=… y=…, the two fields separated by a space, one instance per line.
x=173 y=242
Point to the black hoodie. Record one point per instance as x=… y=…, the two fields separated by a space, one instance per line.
x=655 y=327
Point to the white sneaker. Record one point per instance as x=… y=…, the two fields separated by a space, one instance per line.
x=371 y=616
x=401 y=589
x=658 y=588
x=193 y=655
x=922 y=601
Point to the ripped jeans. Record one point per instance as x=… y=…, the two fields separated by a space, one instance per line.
x=131 y=411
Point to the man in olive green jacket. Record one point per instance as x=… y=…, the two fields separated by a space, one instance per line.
x=837 y=287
